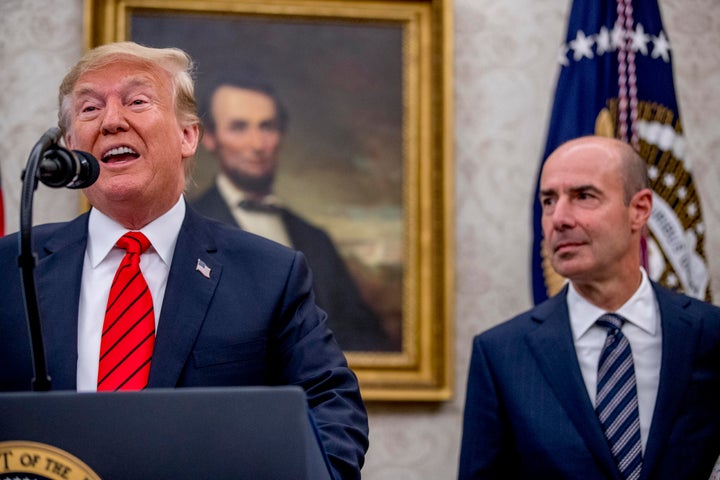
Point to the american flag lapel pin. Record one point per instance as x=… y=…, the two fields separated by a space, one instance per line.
x=203 y=268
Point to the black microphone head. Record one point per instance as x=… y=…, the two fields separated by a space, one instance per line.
x=61 y=167
x=57 y=167
x=89 y=170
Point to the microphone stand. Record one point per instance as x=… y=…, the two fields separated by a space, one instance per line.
x=27 y=259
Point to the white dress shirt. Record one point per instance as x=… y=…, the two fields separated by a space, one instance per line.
x=643 y=331
x=265 y=224
x=101 y=261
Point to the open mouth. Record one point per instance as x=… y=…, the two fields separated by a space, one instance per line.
x=119 y=154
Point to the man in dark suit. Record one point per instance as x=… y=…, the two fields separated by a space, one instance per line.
x=537 y=405
x=245 y=124
x=229 y=308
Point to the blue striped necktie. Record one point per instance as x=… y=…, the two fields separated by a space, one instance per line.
x=616 y=404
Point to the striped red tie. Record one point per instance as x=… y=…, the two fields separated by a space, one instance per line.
x=128 y=334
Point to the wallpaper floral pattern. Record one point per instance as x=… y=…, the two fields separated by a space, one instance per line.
x=505 y=70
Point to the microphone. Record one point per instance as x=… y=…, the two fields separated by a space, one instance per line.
x=56 y=167
x=61 y=167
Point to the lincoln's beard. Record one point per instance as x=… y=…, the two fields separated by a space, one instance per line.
x=252 y=184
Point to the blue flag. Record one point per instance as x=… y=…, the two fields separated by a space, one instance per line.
x=616 y=80
x=2 y=213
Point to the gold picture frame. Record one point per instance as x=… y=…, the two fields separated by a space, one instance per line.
x=416 y=80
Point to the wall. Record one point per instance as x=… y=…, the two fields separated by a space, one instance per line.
x=505 y=73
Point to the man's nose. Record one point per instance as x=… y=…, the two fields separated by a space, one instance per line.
x=256 y=139
x=114 y=118
x=563 y=216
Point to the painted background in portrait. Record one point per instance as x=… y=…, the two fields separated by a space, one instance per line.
x=341 y=161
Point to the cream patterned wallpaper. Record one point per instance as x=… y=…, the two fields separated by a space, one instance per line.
x=505 y=73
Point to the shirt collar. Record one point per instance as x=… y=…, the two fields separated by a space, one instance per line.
x=162 y=232
x=233 y=195
x=639 y=309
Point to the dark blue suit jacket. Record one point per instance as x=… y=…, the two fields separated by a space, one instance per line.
x=528 y=415
x=355 y=325
x=253 y=322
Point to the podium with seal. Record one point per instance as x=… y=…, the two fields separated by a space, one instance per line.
x=190 y=433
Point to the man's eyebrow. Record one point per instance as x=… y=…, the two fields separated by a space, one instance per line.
x=545 y=192
x=238 y=122
x=85 y=91
x=585 y=188
x=272 y=122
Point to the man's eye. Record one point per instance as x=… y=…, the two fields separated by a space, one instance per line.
x=269 y=127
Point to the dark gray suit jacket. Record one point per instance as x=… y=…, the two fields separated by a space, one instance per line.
x=528 y=415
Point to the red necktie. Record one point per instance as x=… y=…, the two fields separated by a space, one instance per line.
x=128 y=334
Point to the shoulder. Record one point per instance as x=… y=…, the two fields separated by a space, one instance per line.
x=39 y=233
x=669 y=300
x=233 y=245
x=684 y=310
x=513 y=327
x=48 y=235
x=230 y=238
x=506 y=331
x=297 y=222
x=551 y=312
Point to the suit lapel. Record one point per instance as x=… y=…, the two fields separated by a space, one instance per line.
x=679 y=339
x=187 y=298
x=57 y=281
x=552 y=346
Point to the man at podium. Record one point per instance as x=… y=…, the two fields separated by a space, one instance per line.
x=143 y=292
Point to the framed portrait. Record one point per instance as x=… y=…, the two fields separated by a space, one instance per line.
x=355 y=98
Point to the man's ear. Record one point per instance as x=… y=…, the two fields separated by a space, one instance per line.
x=208 y=141
x=190 y=138
x=641 y=208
